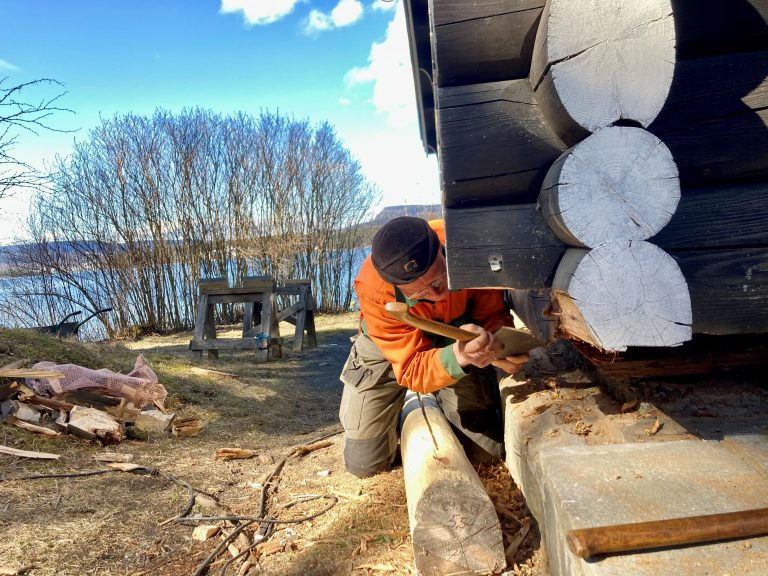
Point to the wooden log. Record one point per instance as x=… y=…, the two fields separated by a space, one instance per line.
x=704 y=354
x=482 y=41
x=714 y=120
x=718 y=217
x=92 y=423
x=494 y=144
x=620 y=183
x=505 y=246
x=454 y=527
x=729 y=289
x=598 y=63
x=620 y=294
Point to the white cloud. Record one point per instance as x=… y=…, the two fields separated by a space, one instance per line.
x=344 y=101
x=384 y=5
x=392 y=156
x=7 y=66
x=259 y=12
x=345 y=13
x=389 y=68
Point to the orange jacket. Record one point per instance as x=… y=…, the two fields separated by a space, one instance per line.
x=417 y=364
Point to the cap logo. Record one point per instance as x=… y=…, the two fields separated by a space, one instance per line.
x=410 y=266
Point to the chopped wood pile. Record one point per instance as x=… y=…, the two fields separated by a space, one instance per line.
x=97 y=405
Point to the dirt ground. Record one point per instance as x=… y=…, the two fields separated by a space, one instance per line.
x=122 y=523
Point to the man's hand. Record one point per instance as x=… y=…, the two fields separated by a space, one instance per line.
x=481 y=351
x=511 y=364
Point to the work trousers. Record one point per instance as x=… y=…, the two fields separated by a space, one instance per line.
x=372 y=401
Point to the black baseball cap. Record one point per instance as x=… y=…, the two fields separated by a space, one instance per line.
x=404 y=249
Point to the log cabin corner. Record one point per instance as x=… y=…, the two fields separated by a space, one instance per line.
x=605 y=161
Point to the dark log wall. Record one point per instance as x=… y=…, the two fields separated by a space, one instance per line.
x=495 y=147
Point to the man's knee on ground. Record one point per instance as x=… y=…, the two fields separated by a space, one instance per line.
x=369 y=456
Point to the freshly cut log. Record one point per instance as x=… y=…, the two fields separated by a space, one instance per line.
x=494 y=144
x=95 y=424
x=620 y=294
x=454 y=526
x=599 y=62
x=619 y=183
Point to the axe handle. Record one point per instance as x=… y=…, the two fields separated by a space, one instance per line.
x=400 y=311
x=663 y=533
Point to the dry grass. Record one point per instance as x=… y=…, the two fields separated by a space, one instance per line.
x=113 y=524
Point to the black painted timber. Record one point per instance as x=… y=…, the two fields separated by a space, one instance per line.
x=710 y=27
x=494 y=144
x=477 y=42
x=715 y=118
x=718 y=217
x=729 y=289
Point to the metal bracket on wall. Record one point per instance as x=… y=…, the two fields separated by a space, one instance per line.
x=495 y=261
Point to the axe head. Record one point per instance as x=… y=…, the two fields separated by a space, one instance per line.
x=515 y=341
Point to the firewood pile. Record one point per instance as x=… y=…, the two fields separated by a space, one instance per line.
x=97 y=405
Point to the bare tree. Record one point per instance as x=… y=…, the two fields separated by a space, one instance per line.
x=18 y=114
x=149 y=205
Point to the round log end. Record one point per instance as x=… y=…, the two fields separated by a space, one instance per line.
x=620 y=183
x=628 y=293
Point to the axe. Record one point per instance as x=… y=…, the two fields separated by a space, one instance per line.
x=587 y=542
x=512 y=340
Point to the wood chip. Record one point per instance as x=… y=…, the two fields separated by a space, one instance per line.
x=207 y=371
x=28 y=454
x=7 y=571
x=629 y=406
x=125 y=466
x=307 y=448
x=187 y=427
x=93 y=422
x=204 y=532
x=112 y=457
x=655 y=428
x=28 y=373
x=26 y=413
x=381 y=567
x=234 y=453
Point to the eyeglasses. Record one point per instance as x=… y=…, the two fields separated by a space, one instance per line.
x=436 y=286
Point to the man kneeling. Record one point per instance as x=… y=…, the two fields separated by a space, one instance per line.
x=388 y=357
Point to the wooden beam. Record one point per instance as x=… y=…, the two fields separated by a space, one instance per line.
x=504 y=246
x=454 y=527
x=494 y=144
x=714 y=120
x=729 y=289
x=708 y=27
x=476 y=42
x=718 y=217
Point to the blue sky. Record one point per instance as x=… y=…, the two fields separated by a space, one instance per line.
x=344 y=61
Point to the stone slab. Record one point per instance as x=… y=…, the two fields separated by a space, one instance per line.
x=581 y=462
